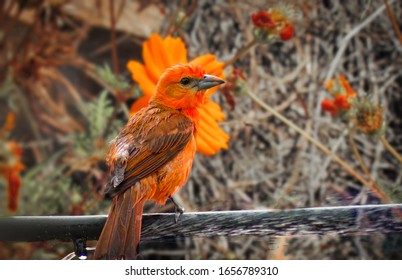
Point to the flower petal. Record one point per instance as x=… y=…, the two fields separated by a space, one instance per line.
x=329 y=85
x=176 y=50
x=161 y=57
x=203 y=147
x=152 y=50
x=14 y=184
x=204 y=60
x=139 y=104
x=328 y=105
x=287 y=32
x=9 y=123
x=211 y=66
x=211 y=131
x=342 y=102
x=346 y=86
x=140 y=75
x=212 y=109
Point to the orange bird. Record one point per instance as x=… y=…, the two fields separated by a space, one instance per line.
x=151 y=158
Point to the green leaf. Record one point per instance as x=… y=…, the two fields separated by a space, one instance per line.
x=116 y=82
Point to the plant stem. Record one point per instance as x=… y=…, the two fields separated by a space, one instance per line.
x=320 y=146
x=373 y=187
x=393 y=21
x=174 y=18
x=391 y=149
x=240 y=53
x=113 y=38
x=89 y=69
x=190 y=10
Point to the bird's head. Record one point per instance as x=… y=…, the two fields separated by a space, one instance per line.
x=183 y=87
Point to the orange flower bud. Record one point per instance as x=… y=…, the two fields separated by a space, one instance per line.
x=329 y=106
x=287 y=32
x=342 y=102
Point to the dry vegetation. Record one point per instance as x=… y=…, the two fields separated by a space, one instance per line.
x=68 y=105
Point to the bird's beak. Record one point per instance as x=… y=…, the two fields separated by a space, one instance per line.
x=209 y=81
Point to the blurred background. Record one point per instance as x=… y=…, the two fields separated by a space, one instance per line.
x=65 y=92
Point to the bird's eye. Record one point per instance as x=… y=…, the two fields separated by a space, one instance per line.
x=185 y=81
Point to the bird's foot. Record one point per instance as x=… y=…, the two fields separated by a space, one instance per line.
x=179 y=210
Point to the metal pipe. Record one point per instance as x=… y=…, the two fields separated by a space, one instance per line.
x=365 y=219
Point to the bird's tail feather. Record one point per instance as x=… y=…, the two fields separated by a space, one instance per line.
x=121 y=234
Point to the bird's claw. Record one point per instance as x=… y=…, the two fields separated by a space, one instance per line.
x=178 y=213
x=179 y=210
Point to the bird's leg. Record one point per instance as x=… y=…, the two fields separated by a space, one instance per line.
x=178 y=209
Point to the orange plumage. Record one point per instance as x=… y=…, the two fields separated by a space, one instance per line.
x=152 y=156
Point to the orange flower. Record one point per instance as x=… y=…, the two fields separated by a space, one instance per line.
x=159 y=54
x=329 y=106
x=274 y=24
x=343 y=95
x=361 y=111
x=342 y=102
x=340 y=86
x=10 y=163
x=287 y=32
x=10 y=168
x=346 y=87
x=8 y=125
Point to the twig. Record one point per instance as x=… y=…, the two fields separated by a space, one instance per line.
x=174 y=17
x=103 y=48
x=348 y=37
x=373 y=187
x=32 y=124
x=13 y=21
x=118 y=101
x=188 y=13
x=89 y=70
x=296 y=170
x=391 y=149
x=240 y=53
x=393 y=21
x=55 y=75
x=113 y=37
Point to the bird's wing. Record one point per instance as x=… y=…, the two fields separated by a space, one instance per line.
x=148 y=142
